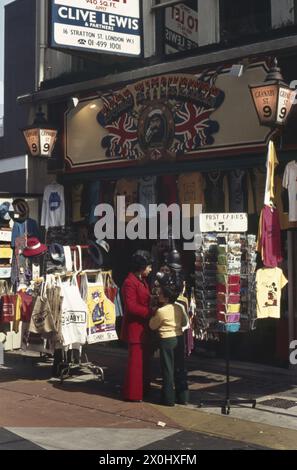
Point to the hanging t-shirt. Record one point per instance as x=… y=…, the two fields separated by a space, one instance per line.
x=290 y=183
x=168 y=190
x=53 y=206
x=129 y=189
x=269 y=285
x=271 y=164
x=147 y=192
x=191 y=188
x=281 y=201
x=269 y=237
x=237 y=191
x=258 y=183
x=214 y=192
x=76 y=193
x=28 y=228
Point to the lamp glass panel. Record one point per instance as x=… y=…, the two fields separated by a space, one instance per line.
x=47 y=141
x=265 y=99
x=32 y=139
x=285 y=102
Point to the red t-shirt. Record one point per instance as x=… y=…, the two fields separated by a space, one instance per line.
x=270 y=238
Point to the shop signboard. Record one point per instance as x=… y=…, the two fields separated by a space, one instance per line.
x=169 y=117
x=105 y=26
x=181 y=28
x=233 y=222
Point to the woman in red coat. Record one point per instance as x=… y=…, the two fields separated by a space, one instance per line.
x=135 y=327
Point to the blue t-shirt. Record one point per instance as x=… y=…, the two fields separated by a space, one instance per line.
x=20 y=228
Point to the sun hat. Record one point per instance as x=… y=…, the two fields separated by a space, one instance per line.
x=57 y=253
x=20 y=211
x=34 y=247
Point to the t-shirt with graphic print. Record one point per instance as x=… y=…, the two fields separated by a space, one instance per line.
x=191 y=188
x=53 y=206
x=270 y=282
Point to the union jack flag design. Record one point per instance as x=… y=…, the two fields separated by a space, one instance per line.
x=193 y=127
x=122 y=139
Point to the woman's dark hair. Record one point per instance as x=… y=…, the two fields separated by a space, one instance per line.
x=171 y=286
x=140 y=260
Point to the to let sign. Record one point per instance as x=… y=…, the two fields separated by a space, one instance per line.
x=110 y=26
x=233 y=222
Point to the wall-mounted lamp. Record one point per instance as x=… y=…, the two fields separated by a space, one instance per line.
x=40 y=136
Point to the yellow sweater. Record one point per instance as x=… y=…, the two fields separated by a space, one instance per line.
x=169 y=321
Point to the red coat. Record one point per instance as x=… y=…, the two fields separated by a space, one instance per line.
x=136 y=299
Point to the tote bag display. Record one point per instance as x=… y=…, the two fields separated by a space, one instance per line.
x=74 y=314
x=42 y=321
x=101 y=311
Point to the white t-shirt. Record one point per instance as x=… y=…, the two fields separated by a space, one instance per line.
x=53 y=206
x=290 y=183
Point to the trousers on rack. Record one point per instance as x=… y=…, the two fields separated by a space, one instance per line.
x=172 y=357
x=137 y=377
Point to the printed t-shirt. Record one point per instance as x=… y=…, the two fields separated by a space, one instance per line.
x=269 y=286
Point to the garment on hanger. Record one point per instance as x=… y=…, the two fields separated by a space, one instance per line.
x=269 y=237
x=237 y=191
x=168 y=190
x=271 y=164
x=269 y=282
x=258 y=185
x=290 y=183
x=76 y=195
x=127 y=187
x=29 y=228
x=191 y=188
x=53 y=206
x=147 y=192
x=282 y=204
x=214 y=192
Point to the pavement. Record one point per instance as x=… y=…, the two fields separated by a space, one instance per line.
x=83 y=413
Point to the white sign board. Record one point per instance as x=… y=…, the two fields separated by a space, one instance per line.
x=181 y=28
x=110 y=26
x=236 y=222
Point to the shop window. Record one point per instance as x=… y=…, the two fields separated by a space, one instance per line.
x=242 y=19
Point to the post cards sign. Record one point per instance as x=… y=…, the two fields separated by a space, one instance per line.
x=105 y=26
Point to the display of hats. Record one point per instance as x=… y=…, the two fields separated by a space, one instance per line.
x=34 y=248
x=173 y=260
x=95 y=252
x=20 y=210
x=4 y=211
x=57 y=253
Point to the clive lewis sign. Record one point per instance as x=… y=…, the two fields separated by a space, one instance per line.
x=110 y=26
x=161 y=117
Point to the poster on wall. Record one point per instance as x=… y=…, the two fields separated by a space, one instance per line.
x=103 y=26
x=181 y=28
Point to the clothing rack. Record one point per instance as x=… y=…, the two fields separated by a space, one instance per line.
x=228 y=401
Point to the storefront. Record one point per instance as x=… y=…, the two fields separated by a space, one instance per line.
x=174 y=139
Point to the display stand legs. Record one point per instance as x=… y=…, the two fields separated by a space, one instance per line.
x=228 y=402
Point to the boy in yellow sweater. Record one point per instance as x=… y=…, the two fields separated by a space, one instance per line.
x=168 y=320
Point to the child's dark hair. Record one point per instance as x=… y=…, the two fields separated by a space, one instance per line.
x=171 y=286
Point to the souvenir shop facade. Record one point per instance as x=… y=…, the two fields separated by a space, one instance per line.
x=184 y=138
x=189 y=138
